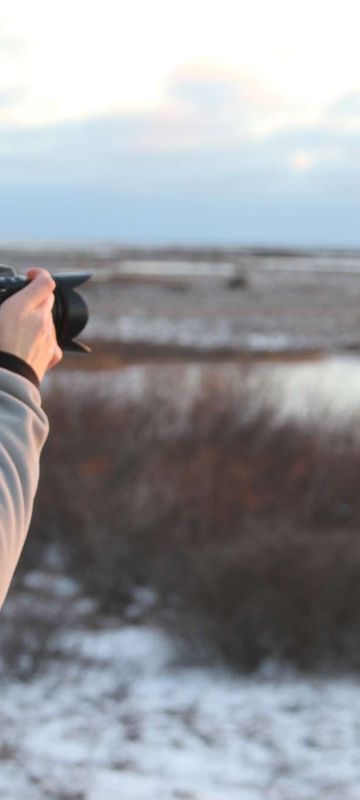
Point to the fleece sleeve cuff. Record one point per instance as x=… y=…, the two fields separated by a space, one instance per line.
x=16 y=364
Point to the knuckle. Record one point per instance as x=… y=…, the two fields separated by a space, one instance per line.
x=50 y=281
x=46 y=278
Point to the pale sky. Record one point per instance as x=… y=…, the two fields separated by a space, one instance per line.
x=180 y=121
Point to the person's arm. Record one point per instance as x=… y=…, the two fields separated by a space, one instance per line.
x=28 y=348
x=24 y=428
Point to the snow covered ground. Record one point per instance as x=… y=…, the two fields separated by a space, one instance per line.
x=116 y=715
x=212 y=299
x=249 y=304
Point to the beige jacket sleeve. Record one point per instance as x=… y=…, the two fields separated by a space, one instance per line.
x=24 y=428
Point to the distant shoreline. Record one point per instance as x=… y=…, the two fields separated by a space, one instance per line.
x=170 y=251
x=117 y=355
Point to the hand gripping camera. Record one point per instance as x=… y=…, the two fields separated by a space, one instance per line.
x=70 y=312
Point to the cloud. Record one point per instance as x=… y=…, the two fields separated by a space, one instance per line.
x=191 y=170
x=212 y=90
x=11 y=44
x=173 y=144
x=11 y=95
x=205 y=123
x=204 y=107
x=346 y=105
x=203 y=86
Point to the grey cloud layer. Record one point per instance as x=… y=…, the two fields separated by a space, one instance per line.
x=189 y=171
x=206 y=117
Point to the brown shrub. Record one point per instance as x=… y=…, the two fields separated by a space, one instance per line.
x=249 y=530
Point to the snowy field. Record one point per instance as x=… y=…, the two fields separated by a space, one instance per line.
x=235 y=299
x=116 y=715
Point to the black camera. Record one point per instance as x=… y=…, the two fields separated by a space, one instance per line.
x=70 y=312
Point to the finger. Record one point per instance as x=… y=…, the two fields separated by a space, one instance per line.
x=42 y=286
x=57 y=356
x=56 y=347
x=34 y=272
x=46 y=304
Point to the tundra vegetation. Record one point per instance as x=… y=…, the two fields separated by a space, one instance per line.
x=244 y=530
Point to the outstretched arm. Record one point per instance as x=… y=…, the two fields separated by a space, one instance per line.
x=24 y=428
x=28 y=348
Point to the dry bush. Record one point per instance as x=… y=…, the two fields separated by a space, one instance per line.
x=28 y=638
x=249 y=530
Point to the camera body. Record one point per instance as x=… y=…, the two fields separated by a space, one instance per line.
x=70 y=312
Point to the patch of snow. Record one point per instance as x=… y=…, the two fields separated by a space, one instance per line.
x=191 y=331
x=270 y=342
x=129 y=382
x=177 y=268
x=128 y=723
x=145 y=648
x=328 y=389
x=61 y=585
